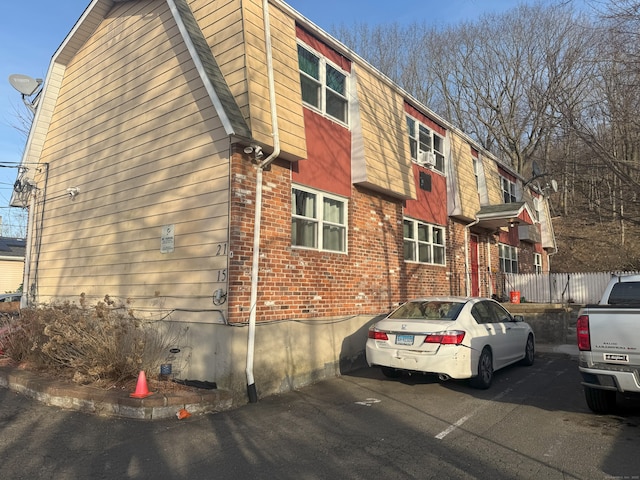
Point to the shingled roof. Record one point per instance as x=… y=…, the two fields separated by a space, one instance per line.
x=12 y=247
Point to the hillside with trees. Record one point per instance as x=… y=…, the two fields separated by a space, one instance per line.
x=553 y=91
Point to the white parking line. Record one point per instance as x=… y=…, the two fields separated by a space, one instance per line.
x=451 y=428
x=455 y=425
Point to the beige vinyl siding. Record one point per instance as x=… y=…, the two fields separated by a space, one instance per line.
x=492 y=177
x=221 y=26
x=234 y=30
x=381 y=158
x=135 y=131
x=464 y=176
x=11 y=277
x=286 y=79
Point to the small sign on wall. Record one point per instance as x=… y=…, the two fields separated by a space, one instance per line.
x=167 y=239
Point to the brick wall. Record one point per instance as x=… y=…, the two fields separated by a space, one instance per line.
x=370 y=279
x=298 y=283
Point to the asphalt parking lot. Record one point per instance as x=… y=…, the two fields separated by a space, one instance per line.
x=532 y=423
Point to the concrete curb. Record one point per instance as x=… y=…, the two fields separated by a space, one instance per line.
x=113 y=403
x=157 y=406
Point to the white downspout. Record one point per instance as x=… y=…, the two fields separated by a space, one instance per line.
x=467 y=267
x=491 y=281
x=251 y=336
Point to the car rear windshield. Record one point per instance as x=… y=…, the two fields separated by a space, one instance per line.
x=428 y=309
x=625 y=293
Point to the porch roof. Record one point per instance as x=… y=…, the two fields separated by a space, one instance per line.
x=492 y=217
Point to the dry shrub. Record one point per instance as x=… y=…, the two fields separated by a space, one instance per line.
x=103 y=344
x=21 y=338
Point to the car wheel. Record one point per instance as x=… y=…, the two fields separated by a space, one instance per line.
x=529 y=352
x=600 y=401
x=391 y=372
x=485 y=371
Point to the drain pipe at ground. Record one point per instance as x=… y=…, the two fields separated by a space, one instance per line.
x=251 y=336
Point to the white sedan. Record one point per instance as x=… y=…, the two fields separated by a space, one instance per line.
x=452 y=337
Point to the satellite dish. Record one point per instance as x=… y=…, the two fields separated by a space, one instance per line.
x=24 y=84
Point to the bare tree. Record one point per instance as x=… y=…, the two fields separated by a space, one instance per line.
x=397 y=51
x=13 y=220
x=607 y=122
x=498 y=79
x=506 y=73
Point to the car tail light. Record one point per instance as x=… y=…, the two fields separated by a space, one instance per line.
x=582 y=330
x=378 y=335
x=452 y=337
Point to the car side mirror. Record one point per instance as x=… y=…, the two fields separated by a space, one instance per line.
x=518 y=318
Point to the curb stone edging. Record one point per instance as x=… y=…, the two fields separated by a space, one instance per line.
x=112 y=403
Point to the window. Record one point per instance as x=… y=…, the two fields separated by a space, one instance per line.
x=476 y=168
x=318 y=221
x=537 y=263
x=482 y=313
x=426 y=146
x=508 y=190
x=508 y=258
x=423 y=243
x=324 y=86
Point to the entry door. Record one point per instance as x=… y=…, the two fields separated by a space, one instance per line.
x=473 y=265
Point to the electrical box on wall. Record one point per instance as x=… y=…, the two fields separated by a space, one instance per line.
x=425 y=181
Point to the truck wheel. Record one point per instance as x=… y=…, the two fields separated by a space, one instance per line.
x=391 y=372
x=529 y=352
x=600 y=401
x=485 y=371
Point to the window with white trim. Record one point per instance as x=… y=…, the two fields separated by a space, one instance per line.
x=319 y=220
x=537 y=263
x=508 y=190
x=324 y=85
x=423 y=243
x=508 y=258
x=426 y=146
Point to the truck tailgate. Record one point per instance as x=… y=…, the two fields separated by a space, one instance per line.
x=615 y=334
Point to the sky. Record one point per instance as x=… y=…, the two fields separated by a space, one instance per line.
x=30 y=34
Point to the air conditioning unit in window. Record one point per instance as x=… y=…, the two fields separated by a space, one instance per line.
x=426 y=159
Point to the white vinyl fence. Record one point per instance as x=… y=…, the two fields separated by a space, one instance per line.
x=565 y=288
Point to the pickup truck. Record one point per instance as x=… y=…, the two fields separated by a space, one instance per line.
x=608 y=336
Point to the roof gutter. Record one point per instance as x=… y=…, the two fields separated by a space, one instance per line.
x=11 y=258
x=251 y=385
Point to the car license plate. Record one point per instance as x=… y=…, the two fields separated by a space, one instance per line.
x=616 y=357
x=404 y=339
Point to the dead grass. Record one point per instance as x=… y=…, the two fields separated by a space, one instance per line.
x=589 y=245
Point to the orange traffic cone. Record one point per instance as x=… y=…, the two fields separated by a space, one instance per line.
x=142 y=390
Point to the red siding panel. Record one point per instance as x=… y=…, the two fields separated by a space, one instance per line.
x=328 y=166
x=430 y=206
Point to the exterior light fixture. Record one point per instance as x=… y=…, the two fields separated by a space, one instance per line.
x=256 y=150
x=73 y=192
